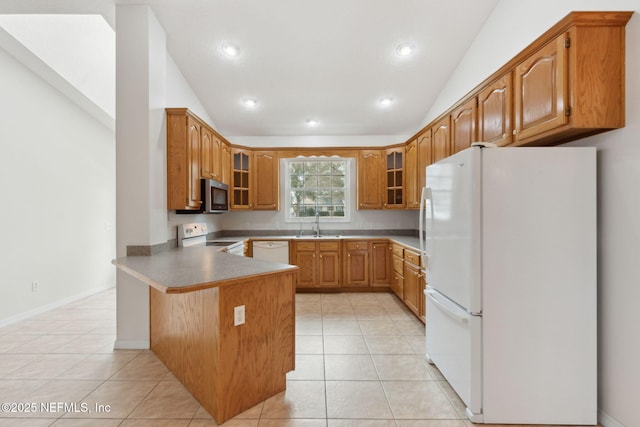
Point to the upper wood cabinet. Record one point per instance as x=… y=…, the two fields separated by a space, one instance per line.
x=241 y=192
x=225 y=163
x=441 y=139
x=370 y=184
x=254 y=181
x=265 y=181
x=573 y=86
x=463 y=125
x=210 y=154
x=541 y=98
x=494 y=111
x=424 y=158
x=184 y=132
x=569 y=83
x=411 y=185
x=394 y=197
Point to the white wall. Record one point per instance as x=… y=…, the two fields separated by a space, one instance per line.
x=511 y=27
x=57 y=180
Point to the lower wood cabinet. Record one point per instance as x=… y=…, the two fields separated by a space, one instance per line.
x=319 y=263
x=397 y=280
x=357 y=263
x=380 y=263
x=414 y=283
x=366 y=264
x=412 y=279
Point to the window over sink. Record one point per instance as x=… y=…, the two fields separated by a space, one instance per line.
x=318 y=185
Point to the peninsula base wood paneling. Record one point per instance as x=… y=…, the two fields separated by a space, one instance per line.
x=228 y=368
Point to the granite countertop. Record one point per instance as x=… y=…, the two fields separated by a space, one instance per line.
x=181 y=270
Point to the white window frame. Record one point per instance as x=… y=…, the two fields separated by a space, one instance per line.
x=348 y=189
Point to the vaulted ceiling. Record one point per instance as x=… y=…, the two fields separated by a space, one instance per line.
x=311 y=67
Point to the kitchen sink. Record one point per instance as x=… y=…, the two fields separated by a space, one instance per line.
x=322 y=236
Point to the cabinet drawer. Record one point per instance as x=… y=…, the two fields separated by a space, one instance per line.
x=305 y=246
x=398 y=265
x=354 y=246
x=397 y=250
x=329 y=246
x=412 y=257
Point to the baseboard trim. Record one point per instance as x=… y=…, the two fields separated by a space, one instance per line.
x=53 y=305
x=131 y=345
x=608 y=421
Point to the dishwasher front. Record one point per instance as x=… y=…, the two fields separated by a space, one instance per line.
x=272 y=250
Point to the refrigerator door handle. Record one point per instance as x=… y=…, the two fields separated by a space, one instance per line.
x=457 y=313
x=426 y=196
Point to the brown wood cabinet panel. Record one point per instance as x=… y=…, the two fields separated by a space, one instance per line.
x=412 y=286
x=412 y=257
x=398 y=264
x=206 y=146
x=241 y=191
x=357 y=268
x=397 y=284
x=370 y=183
x=265 y=173
x=394 y=194
x=397 y=250
x=463 y=125
x=329 y=268
x=494 y=111
x=225 y=163
x=319 y=263
x=424 y=159
x=356 y=265
x=306 y=261
x=411 y=189
x=228 y=369
x=541 y=90
x=380 y=264
x=183 y=160
x=441 y=139
x=210 y=154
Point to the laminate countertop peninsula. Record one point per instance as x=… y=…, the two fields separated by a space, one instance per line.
x=182 y=270
x=223 y=324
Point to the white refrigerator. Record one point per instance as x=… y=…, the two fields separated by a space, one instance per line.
x=509 y=240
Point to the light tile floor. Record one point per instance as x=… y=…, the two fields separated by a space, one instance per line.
x=359 y=363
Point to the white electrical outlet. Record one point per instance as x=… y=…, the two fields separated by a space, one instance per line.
x=238 y=315
x=34 y=286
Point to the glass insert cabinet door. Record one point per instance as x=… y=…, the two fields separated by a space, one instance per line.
x=394 y=198
x=241 y=180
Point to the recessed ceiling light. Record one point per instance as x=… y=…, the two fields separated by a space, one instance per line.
x=249 y=102
x=385 y=102
x=312 y=122
x=405 y=49
x=231 y=50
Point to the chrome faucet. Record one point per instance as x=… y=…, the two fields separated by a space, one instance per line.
x=317 y=224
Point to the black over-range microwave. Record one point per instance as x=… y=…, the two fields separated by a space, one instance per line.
x=215 y=197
